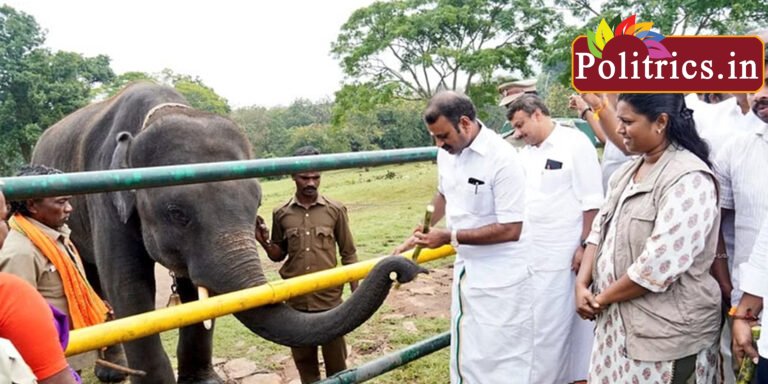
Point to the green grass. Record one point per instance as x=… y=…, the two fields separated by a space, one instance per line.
x=385 y=204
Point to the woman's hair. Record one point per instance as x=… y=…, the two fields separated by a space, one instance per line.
x=680 y=130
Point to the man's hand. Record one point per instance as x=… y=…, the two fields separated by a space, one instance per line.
x=593 y=100
x=409 y=243
x=576 y=262
x=586 y=305
x=742 y=340
x=261 y=233
x=406 y=245
x=436 y=238
x=576 y=103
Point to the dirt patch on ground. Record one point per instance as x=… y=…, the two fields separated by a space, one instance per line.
x=426 y=297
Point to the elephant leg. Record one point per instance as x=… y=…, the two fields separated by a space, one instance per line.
x=114 y=353
x=195 y=347
x=127 y=274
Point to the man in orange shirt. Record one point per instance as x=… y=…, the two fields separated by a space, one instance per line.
x=27 y=321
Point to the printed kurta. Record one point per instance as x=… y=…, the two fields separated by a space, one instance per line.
x=677 y=235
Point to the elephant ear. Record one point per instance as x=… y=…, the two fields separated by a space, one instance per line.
x=124 y=201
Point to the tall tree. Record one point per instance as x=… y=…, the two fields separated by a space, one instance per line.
x=199 y=95
x=422 y=46
x=38 y=87
x=681 y=17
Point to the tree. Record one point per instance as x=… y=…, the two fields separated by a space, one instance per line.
x=38 y=87
x=121 y=81
x=681 y=17
x=199 y=95
x=422 y=46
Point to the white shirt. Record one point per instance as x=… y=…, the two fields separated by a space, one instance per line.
x=613 y=158
x=717 y=123
x=496 y=195
x=754 y=277
x=557 y=198
x=740 y=170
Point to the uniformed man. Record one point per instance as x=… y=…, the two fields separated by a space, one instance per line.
x=510 y=92
x=38 y=249
x=306 y=231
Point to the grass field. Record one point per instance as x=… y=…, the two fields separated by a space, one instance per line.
x=384 y=203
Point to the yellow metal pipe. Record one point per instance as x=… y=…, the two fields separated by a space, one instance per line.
x=145 y=324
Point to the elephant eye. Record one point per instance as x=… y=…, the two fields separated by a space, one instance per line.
x=177 y=215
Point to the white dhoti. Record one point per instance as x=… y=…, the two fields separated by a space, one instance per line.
x=562 y=341
x=491 y=332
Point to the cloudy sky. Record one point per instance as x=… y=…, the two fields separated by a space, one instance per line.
x=251 y=52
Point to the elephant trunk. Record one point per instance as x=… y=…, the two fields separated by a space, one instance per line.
x=238 y=267
x=284 y=325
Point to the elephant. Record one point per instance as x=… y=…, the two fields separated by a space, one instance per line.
x=203 y=233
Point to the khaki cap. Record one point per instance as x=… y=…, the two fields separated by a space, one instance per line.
x=514 y=89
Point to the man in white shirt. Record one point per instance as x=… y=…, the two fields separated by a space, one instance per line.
x=742 y=177
x=740 y=170
x=481 y=195
x=754 y=274
x=563 y=193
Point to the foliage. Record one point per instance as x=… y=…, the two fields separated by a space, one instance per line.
x=556 y=97
x=37 y=86
x=421 y=46
x=199 y=95
x=273 y=131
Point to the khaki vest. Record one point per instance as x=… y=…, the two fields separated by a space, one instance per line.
x=684 y=319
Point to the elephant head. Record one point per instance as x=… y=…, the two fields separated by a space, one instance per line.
x=205 y=232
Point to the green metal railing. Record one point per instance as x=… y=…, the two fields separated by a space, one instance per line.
x=391 y=361
x=17 y=188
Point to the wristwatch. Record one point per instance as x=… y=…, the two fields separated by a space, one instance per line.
x=584 y=244
x=454 y=238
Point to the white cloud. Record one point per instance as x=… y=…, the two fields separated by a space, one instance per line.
x=251 y=52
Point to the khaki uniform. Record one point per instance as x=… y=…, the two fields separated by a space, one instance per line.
x=310 y=236
x=20 y=257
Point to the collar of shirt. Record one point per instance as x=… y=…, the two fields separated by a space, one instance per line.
x=481 y=143
x=320 y=200
x=54 y=234
x=552 y=140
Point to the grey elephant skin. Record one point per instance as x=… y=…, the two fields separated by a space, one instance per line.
x=201 y=232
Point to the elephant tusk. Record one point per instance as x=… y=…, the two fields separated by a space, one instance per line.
x=202 y=294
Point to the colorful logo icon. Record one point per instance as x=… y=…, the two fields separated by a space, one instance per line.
x=605 y=33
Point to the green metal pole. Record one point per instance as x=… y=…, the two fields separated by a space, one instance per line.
x=389 y=362
x=17 y=188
